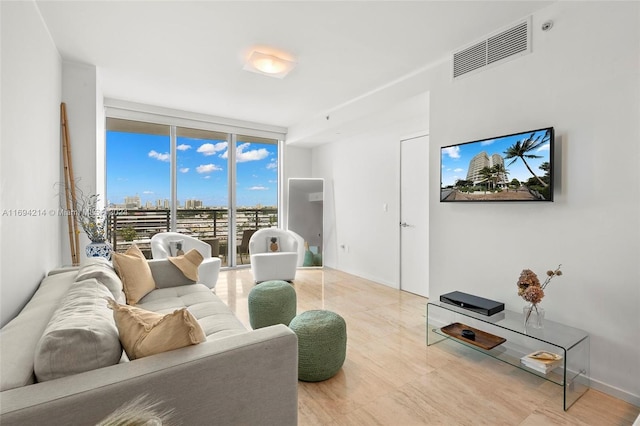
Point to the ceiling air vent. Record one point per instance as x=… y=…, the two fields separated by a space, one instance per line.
x=498 y=47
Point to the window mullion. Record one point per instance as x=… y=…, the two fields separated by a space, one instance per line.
x=174 y=179
x=231 y=167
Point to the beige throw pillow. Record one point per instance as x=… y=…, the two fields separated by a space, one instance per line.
x=134 y=271
x=144 y=333
x=188 y=263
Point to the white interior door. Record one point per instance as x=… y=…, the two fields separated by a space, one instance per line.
x=414 y=215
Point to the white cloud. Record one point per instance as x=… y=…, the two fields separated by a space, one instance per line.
x=545 y=147
x=208 y=168
x=458 y=170
x=452 y=151
x=207 y=177
x=487 y=142
x=147 y=192
x=210 y=149
x=272 y=166
x=252 y=155
x=184 y=170
x=162 y=157
x=183 y=147
x=258 y=188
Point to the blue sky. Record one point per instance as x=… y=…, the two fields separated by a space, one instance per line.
x=455 y=159
x=139 y=164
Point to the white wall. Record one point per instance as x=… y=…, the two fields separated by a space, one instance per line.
x=583 y=78
x=81 y=92
x=30 y=163
x=361 y=175
x=357 y=184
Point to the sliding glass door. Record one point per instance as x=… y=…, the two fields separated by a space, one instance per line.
x=256 y=189
x=219 y=187
x=138 y=164
x=202 y=177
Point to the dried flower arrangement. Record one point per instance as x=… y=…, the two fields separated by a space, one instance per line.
x=92 y=218
x=530 y=289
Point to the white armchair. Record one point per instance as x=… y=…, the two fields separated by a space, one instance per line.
x=274 y=255
x=163 y=245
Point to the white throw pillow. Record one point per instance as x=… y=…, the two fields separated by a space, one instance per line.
x=273 y=244
x=81 y=335
x=175 y=248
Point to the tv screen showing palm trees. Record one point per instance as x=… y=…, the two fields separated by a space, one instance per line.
x=517 y=167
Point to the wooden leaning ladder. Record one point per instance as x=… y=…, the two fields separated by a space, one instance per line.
x=69 y=187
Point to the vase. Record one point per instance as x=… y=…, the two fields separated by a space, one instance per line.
x=533 y=316
x=99 y=249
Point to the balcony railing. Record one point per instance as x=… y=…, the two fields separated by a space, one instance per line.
x=210 y=225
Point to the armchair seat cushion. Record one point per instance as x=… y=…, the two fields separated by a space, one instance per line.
x=274 y=266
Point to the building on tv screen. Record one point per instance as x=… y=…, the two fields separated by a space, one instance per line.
x=507 y=168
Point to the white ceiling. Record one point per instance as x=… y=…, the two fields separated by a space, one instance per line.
x=190 y=55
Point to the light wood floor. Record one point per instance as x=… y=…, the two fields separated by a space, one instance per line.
x=390 y=376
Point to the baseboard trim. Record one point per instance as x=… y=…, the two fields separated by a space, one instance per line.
x=376 y=280
x=615 y=392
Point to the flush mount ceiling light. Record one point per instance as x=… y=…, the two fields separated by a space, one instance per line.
x=267 y=64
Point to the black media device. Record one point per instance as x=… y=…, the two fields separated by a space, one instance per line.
x=472 y=303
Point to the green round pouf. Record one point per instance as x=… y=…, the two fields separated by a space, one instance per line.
x=322 y=344
x=270 y=303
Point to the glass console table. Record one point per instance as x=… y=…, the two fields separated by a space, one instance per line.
x=573 y=344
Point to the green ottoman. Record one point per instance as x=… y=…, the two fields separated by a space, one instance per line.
x=270 y=303
x=322 y=344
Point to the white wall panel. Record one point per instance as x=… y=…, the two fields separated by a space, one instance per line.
x=30 y=162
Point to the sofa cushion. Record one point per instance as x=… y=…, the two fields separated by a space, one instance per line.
x=215 y=317
x=133 y=270
x=102 y=270
x=145 y=333
x=81 y=335
x=19 y=337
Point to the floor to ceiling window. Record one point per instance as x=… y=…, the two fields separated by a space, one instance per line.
x=204 y=183
x=256 y=192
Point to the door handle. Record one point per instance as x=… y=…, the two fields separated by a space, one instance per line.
x=404 y=224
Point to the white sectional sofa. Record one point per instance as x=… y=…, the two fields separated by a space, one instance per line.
x=237 y=376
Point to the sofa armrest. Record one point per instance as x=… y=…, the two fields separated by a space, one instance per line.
x=249 y=378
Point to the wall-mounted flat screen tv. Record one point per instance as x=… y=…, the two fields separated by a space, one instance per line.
x=517 y=167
